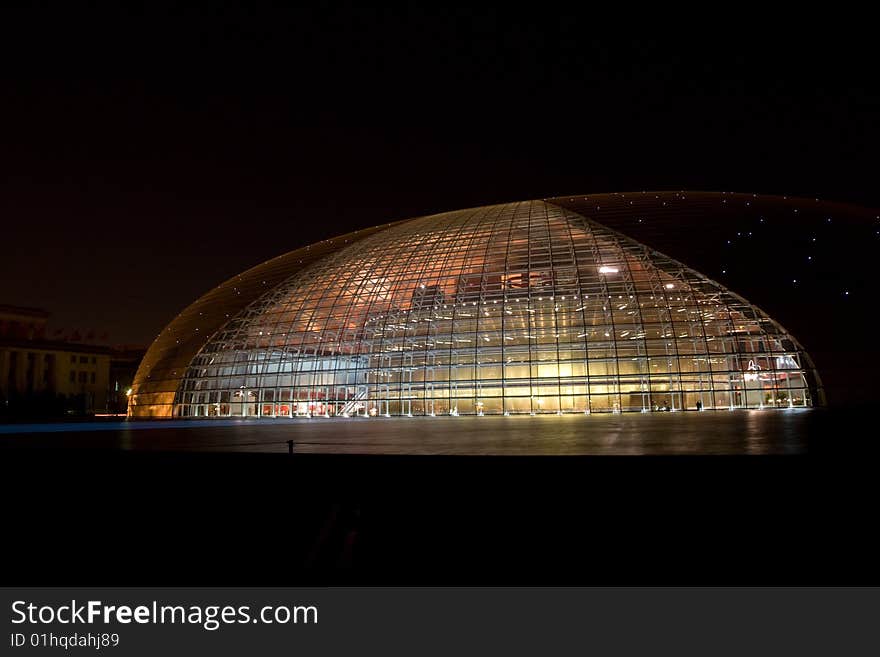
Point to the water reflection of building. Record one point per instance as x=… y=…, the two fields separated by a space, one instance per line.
x=519 y=308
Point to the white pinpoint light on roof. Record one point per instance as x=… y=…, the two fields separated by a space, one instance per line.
x=604 y=269
x=669 y=286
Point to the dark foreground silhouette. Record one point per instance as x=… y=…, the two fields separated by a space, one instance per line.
x=115 y=517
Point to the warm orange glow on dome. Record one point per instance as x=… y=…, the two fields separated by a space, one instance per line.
x=517 y=308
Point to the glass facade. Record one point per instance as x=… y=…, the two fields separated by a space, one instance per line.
x=521 y=308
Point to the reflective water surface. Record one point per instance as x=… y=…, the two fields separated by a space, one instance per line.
x=711 y=432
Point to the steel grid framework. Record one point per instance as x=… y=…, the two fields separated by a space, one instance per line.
x=521 y=308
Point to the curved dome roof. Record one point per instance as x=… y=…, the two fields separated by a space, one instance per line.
x=529 y=307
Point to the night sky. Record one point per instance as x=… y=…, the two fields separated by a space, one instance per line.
x=147 y=156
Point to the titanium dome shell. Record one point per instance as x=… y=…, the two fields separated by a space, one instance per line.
x=520 y=308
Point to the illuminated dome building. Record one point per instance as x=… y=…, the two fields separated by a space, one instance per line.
x=522 y=308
